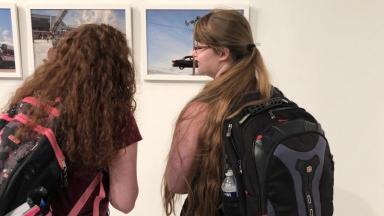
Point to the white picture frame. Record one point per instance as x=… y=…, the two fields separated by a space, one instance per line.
x=95 y=13
x=10 y=60
x=157 y=59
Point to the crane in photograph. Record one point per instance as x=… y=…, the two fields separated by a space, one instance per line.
x=58 y=28
x=59 y=21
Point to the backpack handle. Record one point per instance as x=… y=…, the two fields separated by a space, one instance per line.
x=259 y=108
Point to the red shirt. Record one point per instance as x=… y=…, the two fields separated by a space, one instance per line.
x=79 y=179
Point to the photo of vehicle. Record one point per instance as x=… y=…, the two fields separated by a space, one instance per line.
x=170 y=42
x=186 y=62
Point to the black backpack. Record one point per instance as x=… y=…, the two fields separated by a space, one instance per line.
x=32 y=169
x=280 y=159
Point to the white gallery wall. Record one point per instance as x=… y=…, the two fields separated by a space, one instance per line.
x=326 y=55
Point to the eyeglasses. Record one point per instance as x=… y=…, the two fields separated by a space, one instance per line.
x=198 y=47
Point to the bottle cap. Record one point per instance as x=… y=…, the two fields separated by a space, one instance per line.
x=229 y=173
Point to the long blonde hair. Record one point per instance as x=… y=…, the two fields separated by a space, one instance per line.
x=220 y=29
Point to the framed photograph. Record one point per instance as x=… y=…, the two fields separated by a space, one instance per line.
x=48 y=23
x=10 y=62
x=168 y=41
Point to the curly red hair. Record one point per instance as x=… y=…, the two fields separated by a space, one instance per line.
x=91 y=73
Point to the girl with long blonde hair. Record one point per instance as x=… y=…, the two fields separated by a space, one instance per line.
x=225 y=51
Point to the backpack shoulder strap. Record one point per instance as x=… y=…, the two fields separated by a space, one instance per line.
x=98 y=180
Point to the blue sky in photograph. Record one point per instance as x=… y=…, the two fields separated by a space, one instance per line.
x=76 y=17
x=6 y=26
x=168 y=37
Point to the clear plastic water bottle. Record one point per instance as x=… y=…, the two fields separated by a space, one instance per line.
x=229 y=186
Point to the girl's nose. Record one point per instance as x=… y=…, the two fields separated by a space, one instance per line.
x=194 y=53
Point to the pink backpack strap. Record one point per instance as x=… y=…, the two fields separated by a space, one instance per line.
x=50 y=211
x=35 y=102
x=87 y=193
x=47 y=132
x=99 y=197
x=34 y=211
x=6 y=117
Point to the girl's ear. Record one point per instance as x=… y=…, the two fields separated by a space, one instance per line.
x=224 y=54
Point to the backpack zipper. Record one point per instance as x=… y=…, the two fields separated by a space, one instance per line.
x=309 y=203
x=308 y=198
x=260 y=192
x=229 y=136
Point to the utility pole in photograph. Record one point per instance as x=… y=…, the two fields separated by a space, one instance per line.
x=187 y=23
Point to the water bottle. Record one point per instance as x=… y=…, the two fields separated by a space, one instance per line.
x=229 y=186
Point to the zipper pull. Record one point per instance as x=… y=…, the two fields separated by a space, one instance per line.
x=271 y=114
x=229 y=130
x=285 y=100
x=242 y=120
x=240 y=167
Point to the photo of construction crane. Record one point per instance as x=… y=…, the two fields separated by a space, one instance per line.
x=49 y=25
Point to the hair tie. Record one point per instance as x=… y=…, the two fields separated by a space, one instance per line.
x=251 y=46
